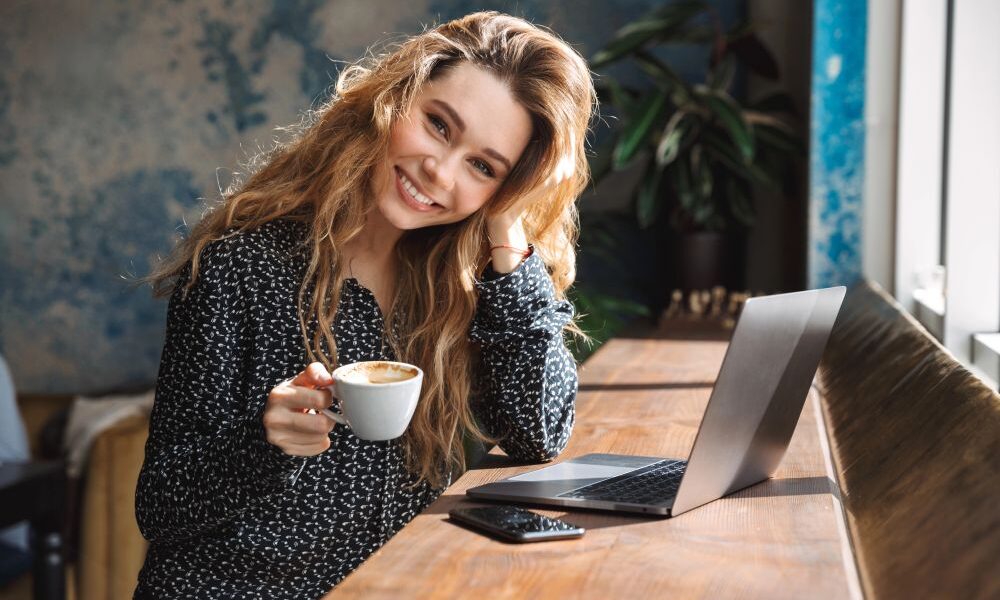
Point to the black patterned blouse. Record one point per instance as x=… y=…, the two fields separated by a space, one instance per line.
x=227 y=514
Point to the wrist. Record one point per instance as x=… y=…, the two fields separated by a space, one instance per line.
x=505 y=259
x=508 y=248
x=508 y=244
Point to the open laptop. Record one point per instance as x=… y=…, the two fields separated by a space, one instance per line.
x=754 y=407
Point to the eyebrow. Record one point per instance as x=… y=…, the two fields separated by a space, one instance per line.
x=461 y=127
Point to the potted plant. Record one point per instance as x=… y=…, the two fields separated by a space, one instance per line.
x=701 y=151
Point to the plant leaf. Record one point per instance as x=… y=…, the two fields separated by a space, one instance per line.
x=670 y=141
x=779 y=138
x=721 y=76
x=730 y=115
x=616 y=95
x=638 y=128
x=627 y=40
x=680 y=11
x=719 y=146
x=648 y=203
x=658 y=24
x=666 y=77
x=702 y=176
x=740 y=202
x=682 y=185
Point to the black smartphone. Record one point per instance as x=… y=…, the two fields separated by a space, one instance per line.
x=515 y=524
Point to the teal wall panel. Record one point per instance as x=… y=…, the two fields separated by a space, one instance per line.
x=837 y=142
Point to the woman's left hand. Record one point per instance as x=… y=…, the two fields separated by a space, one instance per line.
x=506 y=228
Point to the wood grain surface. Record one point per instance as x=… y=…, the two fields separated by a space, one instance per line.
x=778 y=539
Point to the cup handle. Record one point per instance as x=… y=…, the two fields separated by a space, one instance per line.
x=335 y=416
x=339 y=418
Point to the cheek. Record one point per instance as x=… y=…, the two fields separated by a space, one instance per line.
x=474 y=199
x=403 y=138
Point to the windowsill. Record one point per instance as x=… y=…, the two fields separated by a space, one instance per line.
x=986 y=357
x=930 y=311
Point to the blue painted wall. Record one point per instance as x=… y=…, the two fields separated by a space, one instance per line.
x=837 y=144
x=118 y=120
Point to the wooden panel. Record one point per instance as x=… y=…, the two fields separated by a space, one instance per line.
x=778 y=539
x=916 y=442
x=112 y=550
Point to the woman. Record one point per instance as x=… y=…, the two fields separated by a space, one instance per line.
x=426 y=215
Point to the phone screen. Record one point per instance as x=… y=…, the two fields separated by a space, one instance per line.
x=515 y=523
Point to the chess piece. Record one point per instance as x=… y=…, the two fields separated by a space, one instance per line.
x=676 y=306
x=718 y=297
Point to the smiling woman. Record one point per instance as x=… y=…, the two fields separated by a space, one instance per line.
x=425 y=214
x=446 y=166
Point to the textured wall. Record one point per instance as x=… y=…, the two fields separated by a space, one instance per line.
x=117 y=118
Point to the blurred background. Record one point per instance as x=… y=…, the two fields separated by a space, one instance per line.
x=120 y=122
x=751 y=146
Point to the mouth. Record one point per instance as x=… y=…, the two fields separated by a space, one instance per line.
x=412 y=195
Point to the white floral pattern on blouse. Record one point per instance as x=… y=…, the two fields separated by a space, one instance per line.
x=227 y=514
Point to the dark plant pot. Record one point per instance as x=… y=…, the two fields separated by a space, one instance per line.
x=705 y=259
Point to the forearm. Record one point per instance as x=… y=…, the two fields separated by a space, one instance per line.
x=529 y=396
x=528 y=380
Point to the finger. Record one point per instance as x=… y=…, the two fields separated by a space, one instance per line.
x=315 y=375
x=299 y=398
x=309 y=424
x=297 y=449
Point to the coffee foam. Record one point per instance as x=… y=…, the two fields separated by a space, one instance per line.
x=378 y=372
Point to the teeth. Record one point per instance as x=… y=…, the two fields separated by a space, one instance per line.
x=413 y=191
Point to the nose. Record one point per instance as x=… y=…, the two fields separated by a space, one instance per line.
x=441 y=170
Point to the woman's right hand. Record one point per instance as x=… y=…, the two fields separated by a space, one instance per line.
x=288 y=422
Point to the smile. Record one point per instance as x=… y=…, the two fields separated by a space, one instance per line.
x=413 y=197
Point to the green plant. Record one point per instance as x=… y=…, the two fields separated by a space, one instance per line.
x=703 y=151
x=601 y=313
x=601 y=317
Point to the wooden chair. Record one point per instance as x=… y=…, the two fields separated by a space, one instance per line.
x=915 y=440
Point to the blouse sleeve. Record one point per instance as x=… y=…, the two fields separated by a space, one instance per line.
x=207 y=458
x=528 y=380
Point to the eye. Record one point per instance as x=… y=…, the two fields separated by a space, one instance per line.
x=438 y=124
x=483 y=167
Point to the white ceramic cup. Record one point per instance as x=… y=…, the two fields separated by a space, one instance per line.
x=377 y=397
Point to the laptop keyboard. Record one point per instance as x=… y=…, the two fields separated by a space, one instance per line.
x=653 y=484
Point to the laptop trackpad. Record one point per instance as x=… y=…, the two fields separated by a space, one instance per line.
x=566 y=476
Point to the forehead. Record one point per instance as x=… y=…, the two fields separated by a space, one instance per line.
x=492 y=115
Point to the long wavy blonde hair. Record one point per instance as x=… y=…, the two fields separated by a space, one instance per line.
x=323 y=177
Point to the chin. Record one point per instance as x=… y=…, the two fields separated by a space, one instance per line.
x=398 y=218
x=404 y=219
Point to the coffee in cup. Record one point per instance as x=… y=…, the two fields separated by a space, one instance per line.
x=378 y=371
x=377 y=398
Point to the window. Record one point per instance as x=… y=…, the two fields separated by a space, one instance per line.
x=948 y=176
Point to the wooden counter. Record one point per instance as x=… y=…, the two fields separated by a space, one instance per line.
x=783 y=538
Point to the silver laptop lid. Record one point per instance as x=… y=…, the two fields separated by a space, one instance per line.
x=759 y=394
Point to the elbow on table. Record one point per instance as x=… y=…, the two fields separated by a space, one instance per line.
x=549 y=454
x=546 y=449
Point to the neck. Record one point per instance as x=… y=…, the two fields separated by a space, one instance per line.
x=375 y=245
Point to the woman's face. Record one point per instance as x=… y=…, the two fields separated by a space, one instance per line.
x=452 y=150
